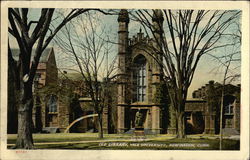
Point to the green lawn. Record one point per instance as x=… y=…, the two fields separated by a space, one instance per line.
x=68 y=137
x=91 y=141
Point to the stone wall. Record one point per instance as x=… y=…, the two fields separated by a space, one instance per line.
x=237 y=116
x=63 y=116
x=195 y=105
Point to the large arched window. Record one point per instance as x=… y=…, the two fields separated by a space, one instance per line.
x=139 y=79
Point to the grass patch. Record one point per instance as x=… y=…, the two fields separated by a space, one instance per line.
x=67 y=137
x=90 y=141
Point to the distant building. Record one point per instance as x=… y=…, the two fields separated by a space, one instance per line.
x=211 y=95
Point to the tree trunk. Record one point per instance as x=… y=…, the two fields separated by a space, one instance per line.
x=25 y=123
x=178 y=100
x=24 y=137
x=221 y=116
x=181 y=126
x=100 y=129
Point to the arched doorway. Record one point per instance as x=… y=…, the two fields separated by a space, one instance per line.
x=195 y=123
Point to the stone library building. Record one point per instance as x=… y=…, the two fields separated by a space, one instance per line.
x=136 y=88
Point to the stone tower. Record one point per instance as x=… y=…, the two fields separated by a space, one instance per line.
x=139 y=75
x=156 y=69
x=123 y=20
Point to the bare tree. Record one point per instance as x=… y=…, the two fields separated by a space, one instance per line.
x=83 y=41
x=229 y=62
x=181 y=41
x=29 y=38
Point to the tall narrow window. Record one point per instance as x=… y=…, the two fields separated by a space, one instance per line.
x=229 y=109
x=139 y=79
x=52 y=104
x=229 y=104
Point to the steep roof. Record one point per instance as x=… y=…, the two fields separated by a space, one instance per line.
x=44 y=57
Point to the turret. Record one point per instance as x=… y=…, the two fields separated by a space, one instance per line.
x=123 y=16
x=123 y=20
x=156 y=69
x=157 y=20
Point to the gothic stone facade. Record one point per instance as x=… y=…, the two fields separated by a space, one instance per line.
x=138 y=78
x=49 y=110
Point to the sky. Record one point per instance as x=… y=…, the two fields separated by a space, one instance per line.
x=207 y=68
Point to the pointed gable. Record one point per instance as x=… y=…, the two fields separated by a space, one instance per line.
x=43 y=59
